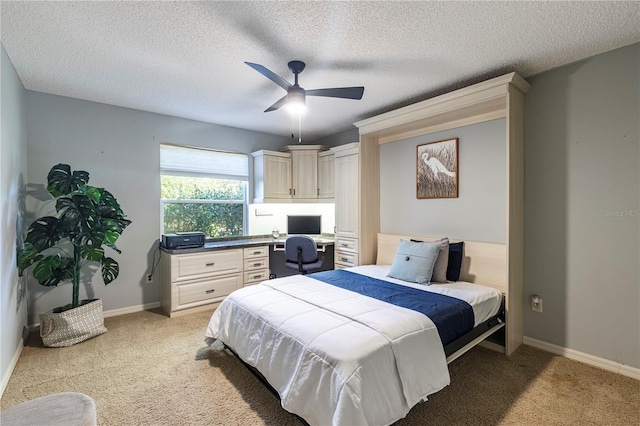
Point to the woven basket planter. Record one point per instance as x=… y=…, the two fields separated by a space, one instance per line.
x=73 y=326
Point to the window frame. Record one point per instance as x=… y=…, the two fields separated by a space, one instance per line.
x=244 y=180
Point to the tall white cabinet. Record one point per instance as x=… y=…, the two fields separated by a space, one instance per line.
x=347 y=204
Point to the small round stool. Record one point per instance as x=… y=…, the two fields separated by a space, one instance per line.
x=58 y=409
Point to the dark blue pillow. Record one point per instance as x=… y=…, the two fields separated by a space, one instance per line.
x=455 y=261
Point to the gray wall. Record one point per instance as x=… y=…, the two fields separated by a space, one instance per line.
x=13 y=168
x=345 y=137
x=479 y=211
x=119 y=147
x=582 y=231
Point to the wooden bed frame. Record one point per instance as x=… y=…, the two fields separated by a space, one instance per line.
x=482 y=263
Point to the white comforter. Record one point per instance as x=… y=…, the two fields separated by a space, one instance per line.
x=334 y=356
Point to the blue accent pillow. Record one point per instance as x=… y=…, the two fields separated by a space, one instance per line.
x=455 y=261
x=414 y=261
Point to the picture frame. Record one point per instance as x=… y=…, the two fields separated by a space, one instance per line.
x=437 y=169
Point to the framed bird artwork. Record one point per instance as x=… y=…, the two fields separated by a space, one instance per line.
x=437 y=169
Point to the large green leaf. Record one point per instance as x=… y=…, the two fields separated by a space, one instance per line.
x=27 y=257
x=92 y=253
x=78 y=218
x=92 y=192
x=110 y=270
x=51 y=270
x=61 y=181
x=110 y=237
x=43 y=233
x=111 y=215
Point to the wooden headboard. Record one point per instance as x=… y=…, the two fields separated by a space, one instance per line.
x=482 y=263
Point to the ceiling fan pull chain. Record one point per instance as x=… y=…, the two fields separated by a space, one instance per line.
x=300 y=128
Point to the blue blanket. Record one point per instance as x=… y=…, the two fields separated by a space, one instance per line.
x=452 y=317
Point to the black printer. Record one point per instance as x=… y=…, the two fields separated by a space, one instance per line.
x=181 y=240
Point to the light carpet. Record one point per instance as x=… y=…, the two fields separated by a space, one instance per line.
x=149 y=369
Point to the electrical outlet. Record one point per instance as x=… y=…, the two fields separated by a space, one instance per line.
x=149 y=278
x=536 y=304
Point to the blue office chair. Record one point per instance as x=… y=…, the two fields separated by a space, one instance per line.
x=301 y=253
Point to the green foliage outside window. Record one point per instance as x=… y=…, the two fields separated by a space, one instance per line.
x=220 y=219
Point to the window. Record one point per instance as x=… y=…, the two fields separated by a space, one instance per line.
x=203 y=190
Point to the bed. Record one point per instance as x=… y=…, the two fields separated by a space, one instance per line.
x=354 y=346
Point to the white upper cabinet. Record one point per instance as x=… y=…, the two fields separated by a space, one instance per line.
x=304 y=175
x=288 y=175
x=326 y=175
x=271 y=177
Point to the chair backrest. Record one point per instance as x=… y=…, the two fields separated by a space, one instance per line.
x=308 y=246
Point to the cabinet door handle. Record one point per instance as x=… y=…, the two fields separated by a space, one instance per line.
x=257 y=276
x=294 y=191
x=344 y=259
x=256 y=252
x=209 y=264
x=318 y=191
x=209 y=291
x=257 y=264
x=344 y=245
x=289 y=191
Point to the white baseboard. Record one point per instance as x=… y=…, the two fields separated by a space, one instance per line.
x=116 y=312
x=14 y=360
x=130 y=309
x=594 y=361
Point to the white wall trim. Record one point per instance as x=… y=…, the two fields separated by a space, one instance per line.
x=116 y=312
x=131 y=309
x=12 y=365
x=594 y=361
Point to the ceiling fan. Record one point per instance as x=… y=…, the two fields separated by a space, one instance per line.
x=296 y=95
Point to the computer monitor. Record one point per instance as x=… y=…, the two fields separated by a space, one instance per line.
x=303 y=225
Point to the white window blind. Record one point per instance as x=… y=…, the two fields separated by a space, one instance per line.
x=218 y=164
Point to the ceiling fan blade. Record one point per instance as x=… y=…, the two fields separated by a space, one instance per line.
x=270 y=75
x=278 y=104
x=338 y=92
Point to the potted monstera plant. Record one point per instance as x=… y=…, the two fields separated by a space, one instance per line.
x=87 y=220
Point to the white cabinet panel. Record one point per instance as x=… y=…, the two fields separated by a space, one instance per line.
x=347 y=196
x=271 y=176
x=305 y=174
x=326 y=175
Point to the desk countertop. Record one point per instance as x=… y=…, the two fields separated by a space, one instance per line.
x=241 y=242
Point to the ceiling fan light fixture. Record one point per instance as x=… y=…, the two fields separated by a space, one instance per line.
x=296 y=103
x=295 y=99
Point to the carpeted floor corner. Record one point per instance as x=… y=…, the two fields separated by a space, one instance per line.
x=149 y=369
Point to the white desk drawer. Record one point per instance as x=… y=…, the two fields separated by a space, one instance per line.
x=253 y=252
x=346 y=244
x=346 y=259
x=207 y=289
x=190 y=266
x=252 y=277
x=253 y=264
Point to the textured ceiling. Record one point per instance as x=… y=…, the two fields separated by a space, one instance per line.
x=186 y=59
